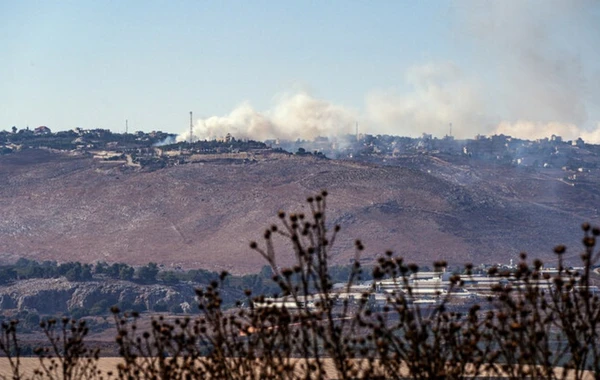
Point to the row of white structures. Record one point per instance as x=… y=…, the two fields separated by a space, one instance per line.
x=422 y=287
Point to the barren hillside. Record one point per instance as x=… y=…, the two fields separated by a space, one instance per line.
x=69 y=208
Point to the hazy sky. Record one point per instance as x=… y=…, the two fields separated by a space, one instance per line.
x=297 y=69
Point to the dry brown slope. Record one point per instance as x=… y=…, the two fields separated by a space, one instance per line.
x=204 y=215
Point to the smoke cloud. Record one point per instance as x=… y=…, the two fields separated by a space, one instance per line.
x=529 y=75
x=531 y=79
x=298 y=116
x=532 y=130
x=534 y=52
x=536 y=130
x=440 y=95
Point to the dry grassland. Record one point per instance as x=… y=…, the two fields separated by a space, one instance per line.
x=109 y=364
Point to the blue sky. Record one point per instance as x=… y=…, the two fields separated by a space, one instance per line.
x=295 y=69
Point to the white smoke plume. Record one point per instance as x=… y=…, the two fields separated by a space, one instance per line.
x=537 y=130
x=527 y=77
x=538 y=54
x=440 y=95
x=592 y=136
x=298 y=116
x=531 y=131
x=530 y=75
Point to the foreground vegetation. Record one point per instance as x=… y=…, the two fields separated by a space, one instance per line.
x=531 y=326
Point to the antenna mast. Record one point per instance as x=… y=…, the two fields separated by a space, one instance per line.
x=126 y=126
x=191 y=127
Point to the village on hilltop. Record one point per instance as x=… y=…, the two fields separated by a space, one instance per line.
x=576 y=159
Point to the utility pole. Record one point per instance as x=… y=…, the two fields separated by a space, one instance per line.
x=191 y=127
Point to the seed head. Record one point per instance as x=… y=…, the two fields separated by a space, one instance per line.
x=560 y=249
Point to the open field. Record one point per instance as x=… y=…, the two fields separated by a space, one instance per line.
x=104 y=365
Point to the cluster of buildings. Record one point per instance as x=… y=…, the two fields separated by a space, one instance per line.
x=552 y=152
x=575 y=157
x=427 y=288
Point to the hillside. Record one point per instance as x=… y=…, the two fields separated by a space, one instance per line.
x=74 y=208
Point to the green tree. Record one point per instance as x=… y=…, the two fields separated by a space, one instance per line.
x=86 y=272
x=78 y=312
x=33 y=270
x=148 y=273
x=7 y=273
x=64 y=268
x=126 y=273
x=114 y=270
x=74 y=274
x=101 y=267
x=100 y=307
x=169 y=277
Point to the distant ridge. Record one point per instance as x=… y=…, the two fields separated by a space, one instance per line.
x=202 y=215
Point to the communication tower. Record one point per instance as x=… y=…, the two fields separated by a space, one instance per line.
x=191 y=127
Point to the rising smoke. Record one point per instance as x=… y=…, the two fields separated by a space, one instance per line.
x=440 y=94
x=298 y=116
x=529 y=76
x=537 y=49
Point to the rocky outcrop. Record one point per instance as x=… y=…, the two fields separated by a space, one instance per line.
x=48 y=296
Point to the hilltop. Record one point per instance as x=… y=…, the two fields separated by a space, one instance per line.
x=201 y=211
